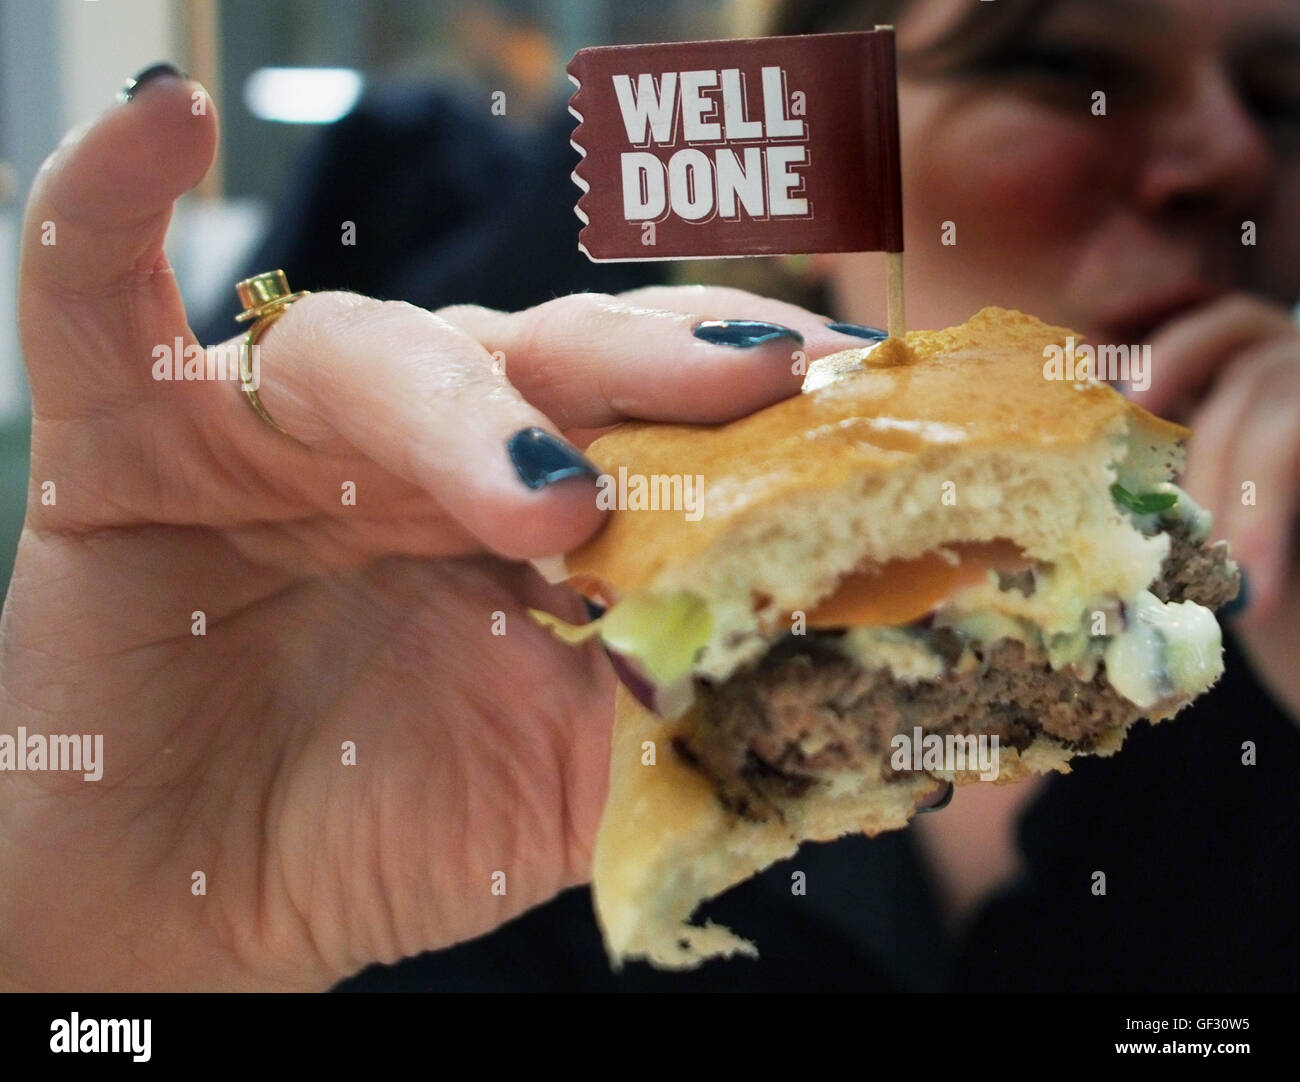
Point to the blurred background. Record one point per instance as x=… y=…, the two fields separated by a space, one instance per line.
x=279 y=70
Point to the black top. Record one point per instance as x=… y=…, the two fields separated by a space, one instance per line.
x=1201 y=852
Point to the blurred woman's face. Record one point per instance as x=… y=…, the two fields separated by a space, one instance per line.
x=1106 y=223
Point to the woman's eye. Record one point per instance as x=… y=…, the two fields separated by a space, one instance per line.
x=1276 y=109
x=1063 y=62
x=1068 y=64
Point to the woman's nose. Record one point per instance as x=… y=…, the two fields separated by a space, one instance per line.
x=1207 y=152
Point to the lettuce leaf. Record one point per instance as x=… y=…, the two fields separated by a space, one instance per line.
x=1147 y=504
x=664 y=634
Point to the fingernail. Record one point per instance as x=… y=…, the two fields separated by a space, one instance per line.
x=1240 y=603
x=942 y=803
x=148 y=75
x=541 y=460
x=743 y=333
x=857 y=330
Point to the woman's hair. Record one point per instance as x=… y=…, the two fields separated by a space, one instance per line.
x=978 y=40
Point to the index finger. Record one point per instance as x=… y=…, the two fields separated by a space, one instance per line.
x=589 y=360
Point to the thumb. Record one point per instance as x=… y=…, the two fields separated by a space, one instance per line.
x=95 y=290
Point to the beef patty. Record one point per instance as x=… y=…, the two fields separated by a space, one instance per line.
x=807 y=707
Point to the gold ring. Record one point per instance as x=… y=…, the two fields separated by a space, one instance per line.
x=264 y=297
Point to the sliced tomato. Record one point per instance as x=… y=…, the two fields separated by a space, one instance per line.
x=901 y=591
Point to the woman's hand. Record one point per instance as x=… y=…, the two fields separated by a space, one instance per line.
x=1231 y=370
x=327 y=620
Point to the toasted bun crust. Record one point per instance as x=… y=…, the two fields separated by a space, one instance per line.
x=975 y=387
x=666 y=843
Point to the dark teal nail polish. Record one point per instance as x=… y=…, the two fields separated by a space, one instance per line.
x=541 y=460
x=857 y=330
x=1240 y=603
x=147 y=75
x=944 y=801
x=743 y=333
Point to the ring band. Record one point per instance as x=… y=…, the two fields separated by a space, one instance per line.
x=264 y=297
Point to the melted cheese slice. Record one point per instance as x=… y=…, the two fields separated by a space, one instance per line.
x=901 y=591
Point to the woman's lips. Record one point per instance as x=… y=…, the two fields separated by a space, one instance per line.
x=1135 y=322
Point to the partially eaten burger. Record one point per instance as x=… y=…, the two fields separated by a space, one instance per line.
x=934 y=543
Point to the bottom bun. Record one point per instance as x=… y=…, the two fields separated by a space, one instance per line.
x=667 y=843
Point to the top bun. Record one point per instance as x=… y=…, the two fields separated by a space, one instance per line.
x=975 y=387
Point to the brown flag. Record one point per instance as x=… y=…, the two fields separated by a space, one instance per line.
x=758 y=146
